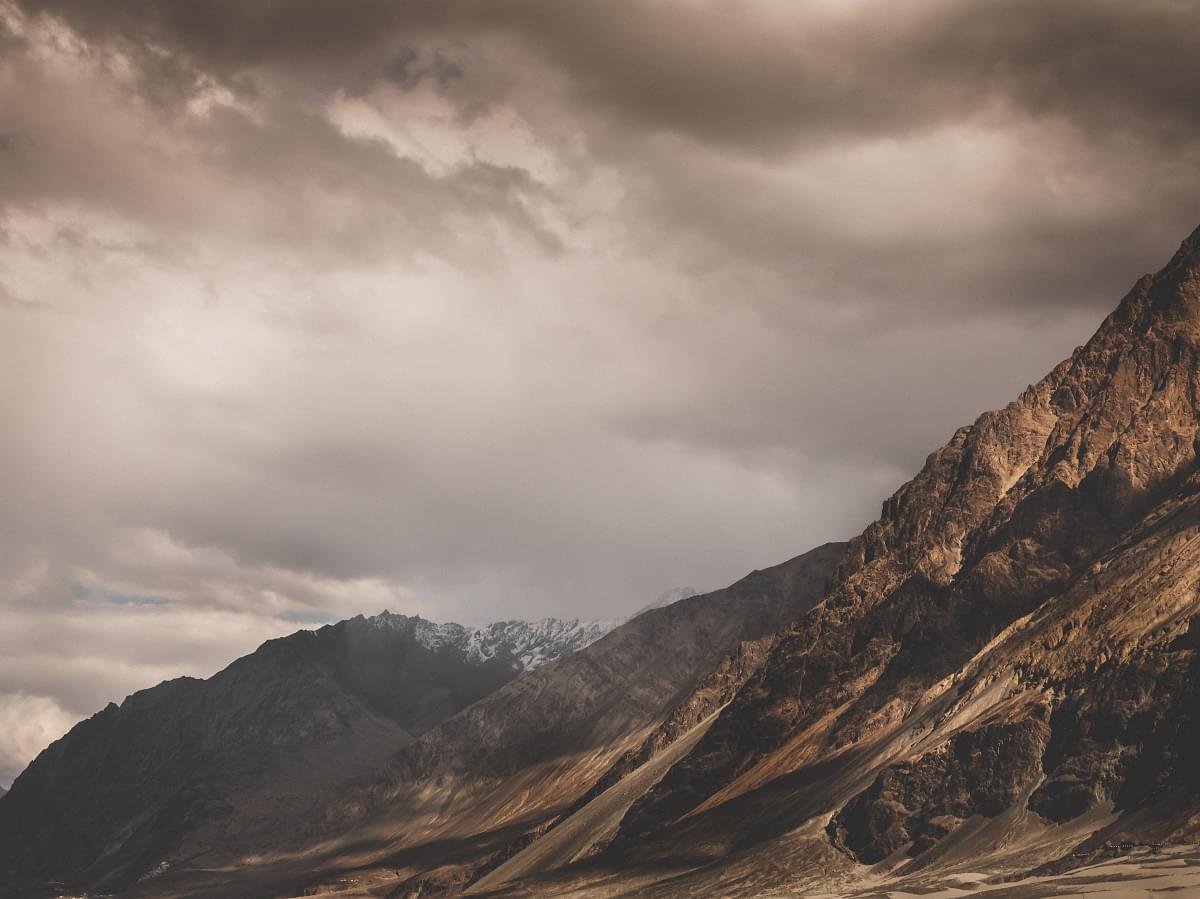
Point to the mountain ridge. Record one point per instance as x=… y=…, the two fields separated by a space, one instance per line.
x=172 y=760
x=476 y=788
x=529 y=643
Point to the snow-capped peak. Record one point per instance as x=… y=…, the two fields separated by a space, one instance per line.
x=526 y=644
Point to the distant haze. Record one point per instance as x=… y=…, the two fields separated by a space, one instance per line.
x=482 y=310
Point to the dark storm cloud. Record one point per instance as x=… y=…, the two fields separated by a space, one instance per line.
x=946 y=242
x=277 y=167
x=763 y=82
x=738 y=74
x=408 y=69
x=492 y=309
x=1111 y=81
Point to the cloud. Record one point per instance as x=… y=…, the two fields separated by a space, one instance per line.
x=27 y=725
x=482 y=310
x=765 y=74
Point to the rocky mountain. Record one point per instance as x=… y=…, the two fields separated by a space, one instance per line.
x=522 y=644
x=1000 y=680
x=461 y=796
x=997 y=680
x=1002 y=675
x=190 y=763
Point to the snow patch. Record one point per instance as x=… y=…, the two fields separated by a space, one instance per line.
x=525 y=644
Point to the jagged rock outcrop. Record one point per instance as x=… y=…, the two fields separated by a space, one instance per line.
x=1002 y=668
x=912 y=805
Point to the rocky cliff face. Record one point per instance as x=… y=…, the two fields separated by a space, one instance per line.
x=191 y=764
x=913 y=804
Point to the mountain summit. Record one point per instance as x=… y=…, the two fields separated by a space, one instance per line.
x=524 y=645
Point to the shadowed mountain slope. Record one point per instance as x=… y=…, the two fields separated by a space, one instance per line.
x=190 y=764
x=484 y=782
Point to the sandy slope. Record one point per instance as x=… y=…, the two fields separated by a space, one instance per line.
x=1170 y=873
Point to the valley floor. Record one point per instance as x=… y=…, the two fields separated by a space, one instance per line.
x=1169 y=874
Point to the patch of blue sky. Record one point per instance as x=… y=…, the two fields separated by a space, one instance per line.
x=83 y=593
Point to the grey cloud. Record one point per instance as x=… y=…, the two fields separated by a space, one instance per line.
x=282 y=176
x=408 y=67
x=1070 y=75
x=748 y=76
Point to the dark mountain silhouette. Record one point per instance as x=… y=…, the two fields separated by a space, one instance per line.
x=191 y=762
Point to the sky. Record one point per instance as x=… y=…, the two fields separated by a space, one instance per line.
x=480 y=310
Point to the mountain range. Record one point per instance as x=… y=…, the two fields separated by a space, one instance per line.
x=996 y=681
x=191 y=761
